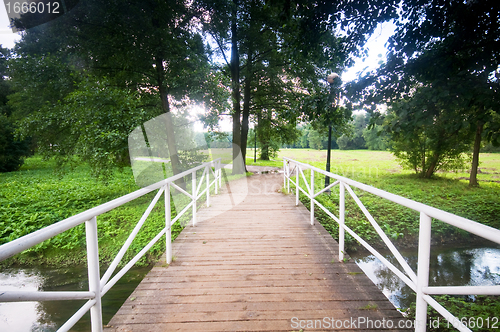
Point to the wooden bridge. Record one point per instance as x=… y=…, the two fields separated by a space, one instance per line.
x=256 y=266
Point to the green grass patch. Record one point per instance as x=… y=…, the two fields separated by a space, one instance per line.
x=479 y=313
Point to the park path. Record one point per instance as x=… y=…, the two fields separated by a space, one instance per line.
x=255 y=266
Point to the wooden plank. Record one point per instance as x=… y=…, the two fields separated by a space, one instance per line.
x=254 y=267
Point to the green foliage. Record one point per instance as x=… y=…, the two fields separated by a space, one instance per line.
x=427 y=135
x=83 y=82
x=479 y=313
x=353 y=138
x=12 y=150
x=490 y=148
x=376 y=138
x=442 y=55
x=272 y=132
x=93 y=122
x=36 y=197
x=309 y=137
x=315 y=139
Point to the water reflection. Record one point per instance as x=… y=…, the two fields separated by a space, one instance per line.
x=448 y=267
x=22 y=316
x=48 y=316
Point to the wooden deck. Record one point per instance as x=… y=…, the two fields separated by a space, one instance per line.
x=259 y=266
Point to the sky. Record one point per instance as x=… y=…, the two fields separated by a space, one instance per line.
x=7 y=37
x=376 y=52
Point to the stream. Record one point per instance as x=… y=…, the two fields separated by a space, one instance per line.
x=48 y=316
x=449 y=266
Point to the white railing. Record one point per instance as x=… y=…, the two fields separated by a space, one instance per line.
x=98 y=286
x=418 y=282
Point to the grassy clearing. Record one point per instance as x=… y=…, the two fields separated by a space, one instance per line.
x=36 y=197
x=447 y=191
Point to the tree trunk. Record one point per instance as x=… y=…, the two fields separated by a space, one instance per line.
x=171 y=144
x=172 y=147
x=475 y=155
x=235 y=78
x=423 y=160
x=432 y=166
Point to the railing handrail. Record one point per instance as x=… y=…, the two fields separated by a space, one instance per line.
x=418 y=282
x=97 y=286
x=471 y=226
x=16 y=246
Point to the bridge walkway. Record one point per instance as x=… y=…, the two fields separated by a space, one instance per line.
x=255 y=266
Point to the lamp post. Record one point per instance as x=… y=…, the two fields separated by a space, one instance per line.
x=331 y=98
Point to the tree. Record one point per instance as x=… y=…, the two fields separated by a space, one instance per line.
x=426 y=136
x=376 y=138
x=452 y=46
x=285 y=48
x=147 y=51
x=12 y=149
x=315 y=140
x=353 y=139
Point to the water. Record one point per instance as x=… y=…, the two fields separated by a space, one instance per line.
x=48 y=316
x=449 y=266
x=463 y=266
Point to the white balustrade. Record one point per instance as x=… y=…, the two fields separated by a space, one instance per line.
x=418 y=282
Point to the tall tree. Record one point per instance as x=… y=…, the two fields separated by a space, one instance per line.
x=295 y=41
x=452 y=46
x=428 y=135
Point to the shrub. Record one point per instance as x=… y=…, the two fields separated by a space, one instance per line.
x=12 y=151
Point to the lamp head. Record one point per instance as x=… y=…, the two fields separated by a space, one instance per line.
x=331 y=78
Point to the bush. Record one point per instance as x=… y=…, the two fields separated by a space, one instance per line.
x=12 y=151
x=490 y=148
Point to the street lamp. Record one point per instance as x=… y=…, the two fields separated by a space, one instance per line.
x=331 y=98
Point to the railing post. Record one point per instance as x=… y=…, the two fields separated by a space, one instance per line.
x=342 y=220
x=284 y=174
x=220 y=173
x=287 y=176
x=216 y=175
x=194 y=198
x=208 y=185
x=93 y=273
x=311 y=193
x=168 y=220
x=424 y=251
x=297 y=185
